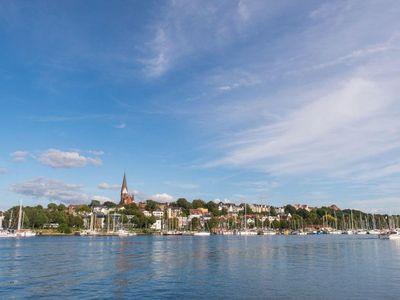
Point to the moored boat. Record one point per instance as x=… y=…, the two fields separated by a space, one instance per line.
x=201 y=233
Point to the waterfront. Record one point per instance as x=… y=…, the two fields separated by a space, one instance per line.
x=276 y=267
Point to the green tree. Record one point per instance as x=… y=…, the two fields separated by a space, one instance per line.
x=52 y=206
x=151 y=205
x=84 y=208
x=195 y=224
x=213 y=223
x=290 y=209
x=185 y=205
x=272 y=211
x=213 y=208
x=109 y=204
x=198 y=203
x=94 y=203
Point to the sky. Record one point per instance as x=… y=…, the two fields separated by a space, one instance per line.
x=269 y=102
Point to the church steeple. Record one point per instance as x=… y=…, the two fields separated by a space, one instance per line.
x=125 y=197
x=124 y=188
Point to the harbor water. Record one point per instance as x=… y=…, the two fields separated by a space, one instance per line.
x=188 y=267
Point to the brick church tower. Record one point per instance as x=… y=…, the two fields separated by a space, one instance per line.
x=125 y=197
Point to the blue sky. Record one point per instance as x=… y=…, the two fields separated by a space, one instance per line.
x=260 y=101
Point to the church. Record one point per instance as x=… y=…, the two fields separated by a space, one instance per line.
x=126 y=198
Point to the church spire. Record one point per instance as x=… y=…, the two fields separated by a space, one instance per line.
x=124 y=188
x=125 y=197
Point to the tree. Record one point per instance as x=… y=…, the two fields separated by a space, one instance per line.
x=109 y=204
x=75 y=221
x=84 y=208
x=198 y=203
x=195 y=224
x=94 y=203
x=52 y=206
x=272 y=211
x=290 y=209
x=185 y=205
x=151 y=205
x=213 y=208
x=213 y=223
x=63 y=228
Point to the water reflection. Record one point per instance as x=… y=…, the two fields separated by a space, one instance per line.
x=327 y=267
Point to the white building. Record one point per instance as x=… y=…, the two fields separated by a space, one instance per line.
x=157 y=225
x=158 y=214
x=147 y=213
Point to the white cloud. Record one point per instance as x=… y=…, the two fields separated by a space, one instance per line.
x=387 y=205
x=67 y=159
x=107 y=186
x=190 y=29
x=19 y=155
x=96 y=152
x=55 y=190
x=51 y=189
x=160 y=47
x=163 y=197
x=3 y=170
x=102 y=198
x=343 y=125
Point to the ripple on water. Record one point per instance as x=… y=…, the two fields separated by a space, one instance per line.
x=315 y=267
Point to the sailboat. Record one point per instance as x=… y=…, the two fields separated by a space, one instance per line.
x=373 y=230
x=7 y=233
x=246 y=231
x=20 y=232
x=123 y=232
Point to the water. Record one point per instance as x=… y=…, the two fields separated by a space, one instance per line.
x=146 y=267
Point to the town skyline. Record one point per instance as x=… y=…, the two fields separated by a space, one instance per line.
x=239 y=101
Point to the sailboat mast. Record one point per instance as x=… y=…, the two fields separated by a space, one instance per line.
x=20 y=216
x=245 y=217
x=10 y=220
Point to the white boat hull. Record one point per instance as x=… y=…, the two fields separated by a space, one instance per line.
x=201 y=234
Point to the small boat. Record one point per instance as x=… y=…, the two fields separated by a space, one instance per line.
x=201 y=233
x=348 y=232
x=7 y=234
x=374 y=231
x=335 y=232
x=269 y=232
x=361 y=232
x=227 y=232
x=391 y=235
x=25 y=233
x=247 y=232
x=123 y=232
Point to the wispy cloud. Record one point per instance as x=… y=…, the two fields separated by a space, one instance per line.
x=19 y=155
x=162 y=197
x=107 y=186
x=192 y=29
x=348 y=123
x=67 y=159
x=52 y=190
x=120 y=126
x=3 y=171
x=388 y=205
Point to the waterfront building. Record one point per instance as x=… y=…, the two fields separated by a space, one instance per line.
x=126 y=198
x=147 y=213
x=174 y=212
x=158 y=214
x=157 y=225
